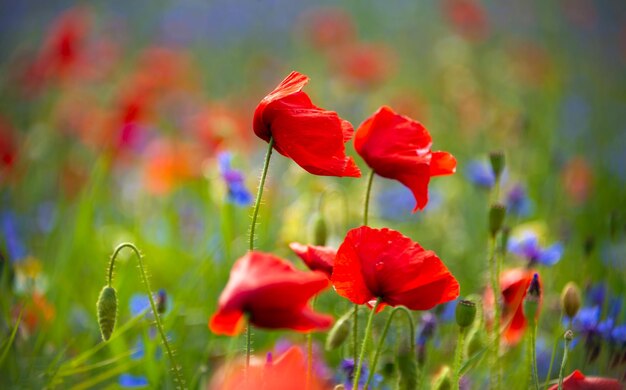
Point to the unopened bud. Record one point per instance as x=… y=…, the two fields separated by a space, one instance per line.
x=497 y=163
x=569 y=335
x=339 y=332
x=531 y=302
x=496 y=218
x=319 y=229
x=107 y=311
x=570 y=299
x=465 y=313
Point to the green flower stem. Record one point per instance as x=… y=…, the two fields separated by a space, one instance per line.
x=309 y=351
x=355 y=332
x=259 y=194
x=178 y=378
x=248 y=346
x=368 y=330
x=563 y=363
x=495 y=331
x=381 y=341
x=366 y=204
x=458 y=358
x=532 y=354
x=556 y=343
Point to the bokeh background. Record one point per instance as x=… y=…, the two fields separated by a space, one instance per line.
x=131 y=121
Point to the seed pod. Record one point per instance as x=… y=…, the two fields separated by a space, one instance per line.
x=107 y=311
x=319 y=230
x=465 y=313
x=497 y=163
x=339 y=332
x=570 y=299
x=497 y=213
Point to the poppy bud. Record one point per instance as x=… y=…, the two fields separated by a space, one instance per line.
x=107 y=311
x=465 y=313
x=443 y=379
x=496 y=218
x=339 y=332
x=497 y=163
x=531 y=302
x=407 y=370
x=570 y=299
x=319 y=230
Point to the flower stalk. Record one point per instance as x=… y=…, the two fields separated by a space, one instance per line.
x=259 y=194
x=368 y=330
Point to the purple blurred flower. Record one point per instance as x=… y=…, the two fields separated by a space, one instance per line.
x=480 y=173
x=237 y=191
x=528 y=247
x=396 y=200
x=348 y=366
x=16 y=250
x=518 y=202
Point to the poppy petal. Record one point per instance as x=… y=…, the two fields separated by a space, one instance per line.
x=442 y=163
x=317 y=258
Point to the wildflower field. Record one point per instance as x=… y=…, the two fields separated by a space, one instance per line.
x=275 y=195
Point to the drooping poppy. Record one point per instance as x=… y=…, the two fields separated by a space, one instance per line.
x=317 y=258
x=578 y=381
x=514 y=285
x=398 y=147
x=285 y=372
x=382 y=263
x=272 y=293
x=311 y=136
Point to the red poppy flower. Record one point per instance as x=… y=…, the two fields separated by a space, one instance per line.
x=285 y=372
x=313 y=137
x=382 y=263
x=317 y=258
x=398 y=147
x=514 y=285
x=577 y=381
x=272 y=293
x=468 y=18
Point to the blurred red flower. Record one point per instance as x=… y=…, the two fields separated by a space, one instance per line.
x=468 y=18
x=286 y=372
x=328 y=27
x=382 y=263
x=577 y=178
x=364 y=64
x=577 y=381
x=398 y=147
x=168 y=163
x=272 y=293
x=8 y=148
x=514 y=285
x=313 y=137
x=317 y=258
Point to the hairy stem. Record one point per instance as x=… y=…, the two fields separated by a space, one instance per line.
x=178 y=378
x=259 y=194
x=366 y=203
x=458 y=358
x=495 y=331
x=368 y=330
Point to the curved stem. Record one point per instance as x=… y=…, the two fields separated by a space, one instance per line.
x=381 y=341
x=178 y=378
x=563 y=364
x=366 y=204
x=259 y=194
x=458 y=358
x=368 y=330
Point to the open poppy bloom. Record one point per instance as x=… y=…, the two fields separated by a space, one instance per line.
x=514 y=285
x=287 y=371
x=272 y=293
x=317 y=258
x=382 y=263
x=398 y=147
x=312 y=137
x=578 y=381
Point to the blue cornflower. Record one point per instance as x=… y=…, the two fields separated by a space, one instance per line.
x=518 y=202
x=16 y=250
x=528 y=247
x=596 y=294
x=348 y=367
x=132 y=381
x=480 y=173
x=394 y=201
x=618 y=335
x=138 y=303
x=427 y=328
x=237 y=191
x=586 y=320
